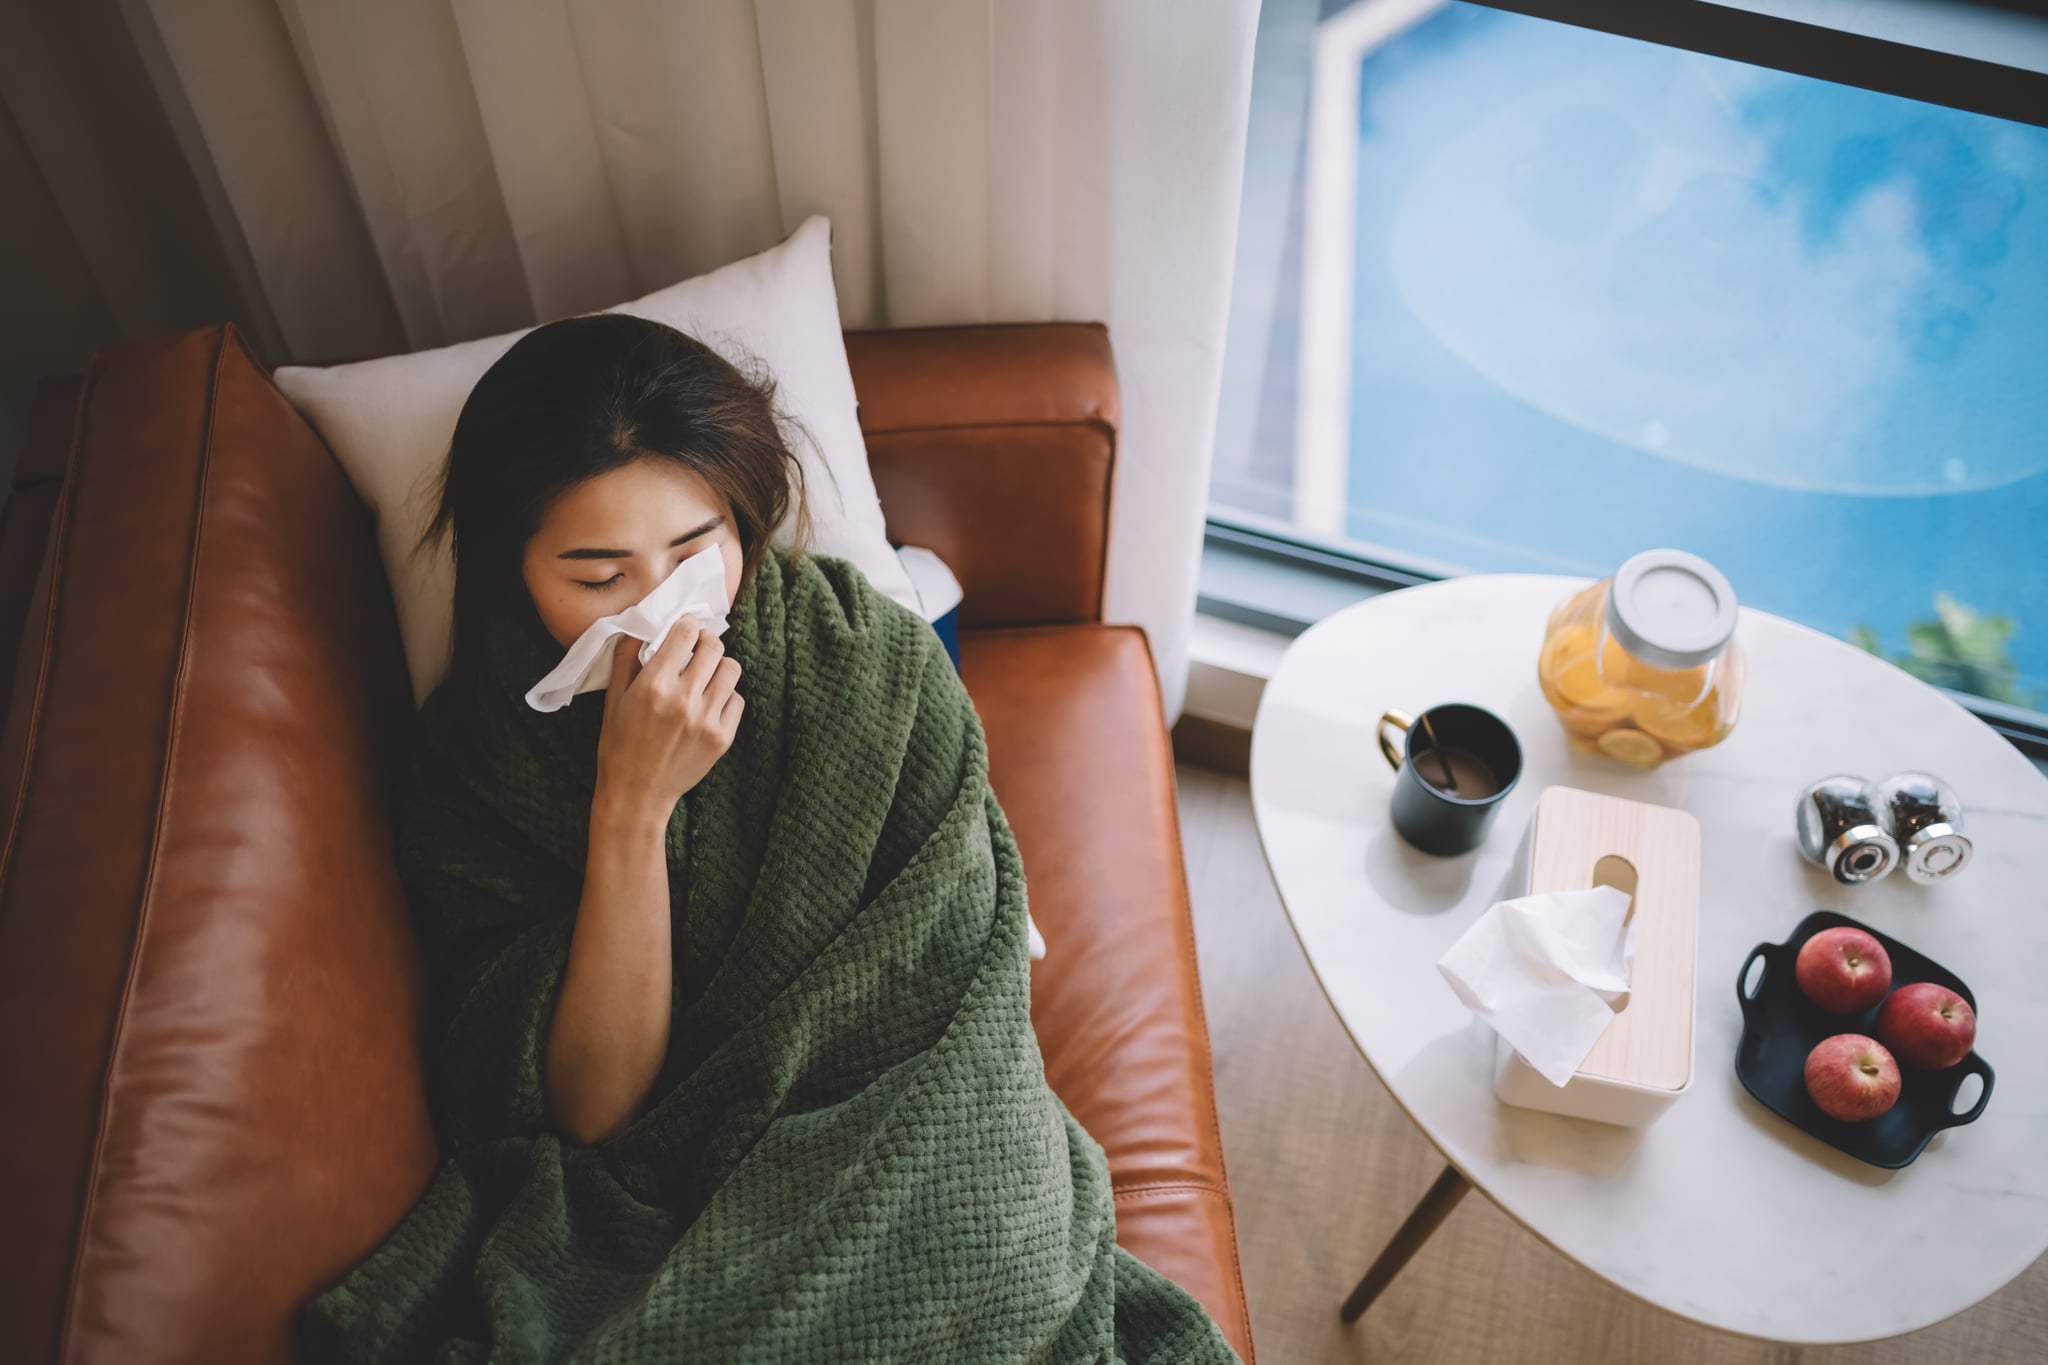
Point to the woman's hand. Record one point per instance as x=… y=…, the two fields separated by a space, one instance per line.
x=667 y=723
x=664 y=726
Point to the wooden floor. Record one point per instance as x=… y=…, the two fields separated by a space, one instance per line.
x=1324 y=1166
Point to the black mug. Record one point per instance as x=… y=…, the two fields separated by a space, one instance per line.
x=1460 y=746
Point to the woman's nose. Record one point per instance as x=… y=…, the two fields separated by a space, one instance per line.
x=656 y=576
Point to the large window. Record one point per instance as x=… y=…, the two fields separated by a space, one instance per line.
x=1537 y=297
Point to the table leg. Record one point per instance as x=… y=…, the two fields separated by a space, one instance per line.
x=1436 y=1206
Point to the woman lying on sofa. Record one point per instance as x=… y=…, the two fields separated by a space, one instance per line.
x=732 y=1050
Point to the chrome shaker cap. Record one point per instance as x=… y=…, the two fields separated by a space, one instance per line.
x=1925 y=816
x=1841 y=829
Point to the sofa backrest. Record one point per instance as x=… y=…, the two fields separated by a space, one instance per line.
x=210 y=999
x=994 y=446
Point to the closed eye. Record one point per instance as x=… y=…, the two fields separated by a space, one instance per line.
x=594 y=587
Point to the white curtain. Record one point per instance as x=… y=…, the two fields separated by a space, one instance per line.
x=348 y=178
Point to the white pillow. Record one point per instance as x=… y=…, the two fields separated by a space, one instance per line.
x=389 y=422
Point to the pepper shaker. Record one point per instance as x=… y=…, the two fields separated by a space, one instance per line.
x=1842 y=829
x=1926 y=820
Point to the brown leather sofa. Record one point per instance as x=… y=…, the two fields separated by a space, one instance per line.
x=211 y=1100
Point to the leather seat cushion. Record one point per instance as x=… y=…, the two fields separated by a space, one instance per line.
x=1080 y=759
x=209 y=995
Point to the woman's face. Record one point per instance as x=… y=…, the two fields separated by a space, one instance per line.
x=607 y=542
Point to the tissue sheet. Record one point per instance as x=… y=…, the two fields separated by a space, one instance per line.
x=1548 y=972
x=697 y=587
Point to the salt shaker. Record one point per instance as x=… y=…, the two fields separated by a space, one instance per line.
x=1926 y=820
x=1842 y=829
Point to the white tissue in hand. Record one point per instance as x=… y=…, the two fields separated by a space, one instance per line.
x=696 y=588
x=1547 y=972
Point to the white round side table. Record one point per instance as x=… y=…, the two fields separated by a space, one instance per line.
x=1719 y=1211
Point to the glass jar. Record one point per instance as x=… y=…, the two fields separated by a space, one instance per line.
x=1645 y=666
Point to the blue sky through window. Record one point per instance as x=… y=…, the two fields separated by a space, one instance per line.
x=1610 y=295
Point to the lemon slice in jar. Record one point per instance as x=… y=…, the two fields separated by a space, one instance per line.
x=1589 y=695
x=1632 y=747
x=1626 y=671
x=1692 y=725
x=1570 y=674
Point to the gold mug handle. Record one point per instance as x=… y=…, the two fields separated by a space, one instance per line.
x=1403 y=722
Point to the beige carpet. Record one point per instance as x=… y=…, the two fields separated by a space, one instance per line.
x=1324 y=1167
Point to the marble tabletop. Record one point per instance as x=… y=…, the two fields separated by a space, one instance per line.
x=1719 y=1211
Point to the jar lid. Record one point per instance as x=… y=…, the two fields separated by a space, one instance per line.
x=1671 y=609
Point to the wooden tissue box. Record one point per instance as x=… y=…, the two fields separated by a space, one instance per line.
x=1643 y=1061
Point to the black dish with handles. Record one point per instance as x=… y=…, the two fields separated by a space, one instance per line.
x=1780 y=1026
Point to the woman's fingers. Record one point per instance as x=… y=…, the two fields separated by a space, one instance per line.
x=703 y=664
x=676 y=646
x=625 y=667
x=724 y=677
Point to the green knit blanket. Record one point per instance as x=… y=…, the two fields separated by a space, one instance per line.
x=851 y=1153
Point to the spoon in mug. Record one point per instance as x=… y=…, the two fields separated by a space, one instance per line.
x=1450 y=781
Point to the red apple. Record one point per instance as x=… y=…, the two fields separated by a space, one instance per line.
x=1927 y=1025
x=1851 y=1077
x=1843 y=970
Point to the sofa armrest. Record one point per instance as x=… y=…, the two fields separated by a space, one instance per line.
x=994 y=445
x=205 y=957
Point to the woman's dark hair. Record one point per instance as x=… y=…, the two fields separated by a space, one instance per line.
x=584 y=396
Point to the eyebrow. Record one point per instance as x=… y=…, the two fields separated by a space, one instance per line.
x=683 y=539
